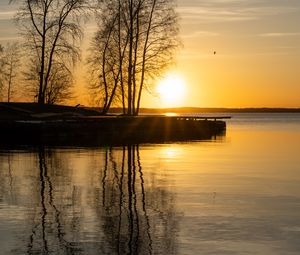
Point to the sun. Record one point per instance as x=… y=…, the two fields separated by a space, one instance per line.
x=171 y=90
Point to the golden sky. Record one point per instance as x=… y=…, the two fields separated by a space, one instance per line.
x=257 y=60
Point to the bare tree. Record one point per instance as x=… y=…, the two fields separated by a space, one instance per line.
x=60 y=82
x=105 y=66
x=10 y=68
x=60 y=85
x=1 y=68
x=133 y=46
x=53 y=33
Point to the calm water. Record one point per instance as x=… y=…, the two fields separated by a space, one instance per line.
x=239 y=194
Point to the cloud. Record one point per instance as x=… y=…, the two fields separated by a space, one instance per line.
x=9 y=39
x=197 y=34
x=232 y=10
x=279 y=34
x=200 y=14
x=6 y=15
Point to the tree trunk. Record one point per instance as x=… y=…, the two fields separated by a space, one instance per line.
x=144 y=58
x=129 y=110
x=135 y=56
x=41 y=96
x=9 y=82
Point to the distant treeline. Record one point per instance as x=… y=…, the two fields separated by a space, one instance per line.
x=212 y=110
x=12 y=110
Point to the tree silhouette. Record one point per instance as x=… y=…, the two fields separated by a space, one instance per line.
x=134 y=45
x=52 y=32
x=10 y=66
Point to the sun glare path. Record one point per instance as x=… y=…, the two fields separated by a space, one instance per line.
x=171 y=90
x=170 y=153
x=171 y=114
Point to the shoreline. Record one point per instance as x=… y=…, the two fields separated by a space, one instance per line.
x=85 y=110
x=93 y=131
x=34 y=124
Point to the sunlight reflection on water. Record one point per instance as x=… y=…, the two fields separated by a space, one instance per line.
x=236 y=195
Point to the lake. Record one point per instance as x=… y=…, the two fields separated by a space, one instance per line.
x=235 y=194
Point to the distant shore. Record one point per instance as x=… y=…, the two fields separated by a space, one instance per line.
x=33 y=108
x=184 y=110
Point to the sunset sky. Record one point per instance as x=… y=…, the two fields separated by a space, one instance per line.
x=257 y=45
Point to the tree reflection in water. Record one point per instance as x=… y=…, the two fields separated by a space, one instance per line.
x=130 y=213
x=126 y=222
x=48 y=233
